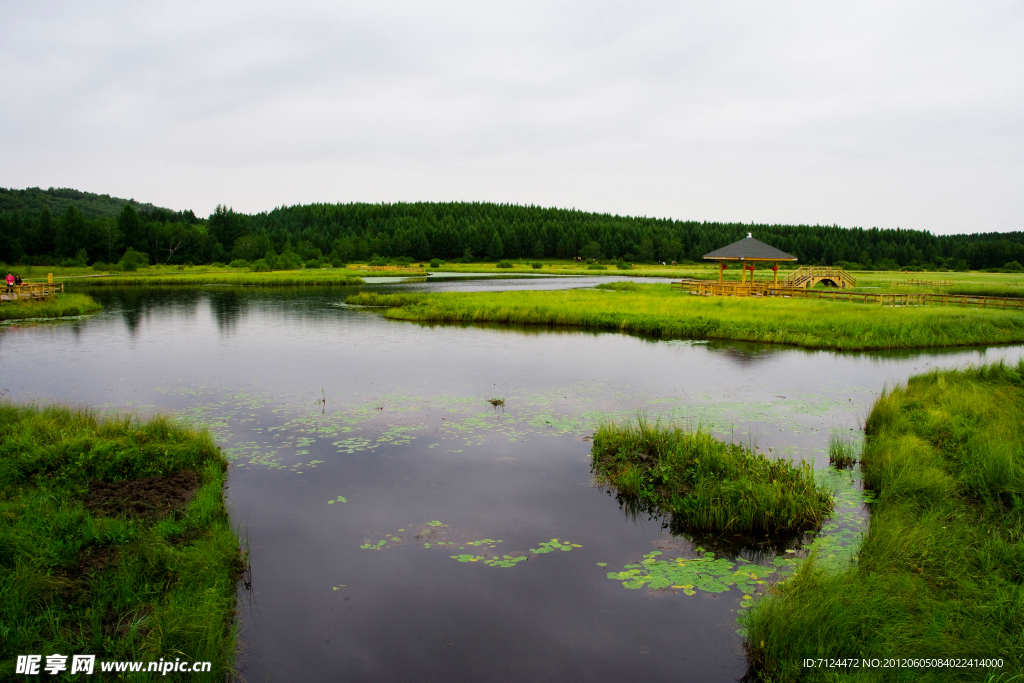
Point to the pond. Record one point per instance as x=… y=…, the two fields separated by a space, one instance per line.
x=402 y=527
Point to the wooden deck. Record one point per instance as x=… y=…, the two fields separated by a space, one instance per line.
x=31 y=290
x=767 y=289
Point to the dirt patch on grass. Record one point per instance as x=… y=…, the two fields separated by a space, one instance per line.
x=95 y=559
x=147 y=498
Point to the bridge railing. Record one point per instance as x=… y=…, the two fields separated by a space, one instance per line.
x=30 y=290
x=805 y=274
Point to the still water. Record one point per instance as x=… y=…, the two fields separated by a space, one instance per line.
x=403 y=528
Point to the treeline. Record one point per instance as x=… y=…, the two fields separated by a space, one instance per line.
x=340 y=233
x=69 y=227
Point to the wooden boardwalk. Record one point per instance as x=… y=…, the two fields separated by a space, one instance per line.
x=926 y=283
x=767 y=289
x=31 y=290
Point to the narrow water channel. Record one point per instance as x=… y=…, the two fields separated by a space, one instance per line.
x=403 y=528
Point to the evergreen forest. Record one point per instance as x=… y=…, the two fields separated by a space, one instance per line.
x=69 y=227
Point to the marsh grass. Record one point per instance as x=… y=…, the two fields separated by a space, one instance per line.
x=61 y=306
x=284 y=278
x=656 y=311
x=124 y=585
x=708 y=485
x=842 y=450
x=1006 y=289
x=941 y=571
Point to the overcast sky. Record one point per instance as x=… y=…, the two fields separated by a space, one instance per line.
x=889 y=114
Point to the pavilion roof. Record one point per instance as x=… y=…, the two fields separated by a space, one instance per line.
x=749 y=249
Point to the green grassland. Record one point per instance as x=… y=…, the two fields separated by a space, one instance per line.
x=92 y=561
x=277 y=278
x=941 y=572
x=706 y=484
x=870 y=280
x=61 y=306
x=656 y=311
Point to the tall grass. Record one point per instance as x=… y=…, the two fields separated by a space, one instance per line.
x=707 y=484
x=61 y=306
x=76 y=580
x=270 y=279
x=654 y=310
x=842 y=451
x=941 y=571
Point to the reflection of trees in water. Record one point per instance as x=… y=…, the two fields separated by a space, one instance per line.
x=137 y=303
x=228 y=307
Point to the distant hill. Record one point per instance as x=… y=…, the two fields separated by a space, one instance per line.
x=57 y=225
x=57 y=200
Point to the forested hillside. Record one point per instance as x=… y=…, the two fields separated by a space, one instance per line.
x=58 y=225
x=57 y=200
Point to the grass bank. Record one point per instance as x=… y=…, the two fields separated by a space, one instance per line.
x=114 y=541
x=654 y=310
x=707 y=484
x=61 y=306
x=941 y=572
x=283 y=278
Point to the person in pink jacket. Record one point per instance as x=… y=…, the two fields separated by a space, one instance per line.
x=10 y=283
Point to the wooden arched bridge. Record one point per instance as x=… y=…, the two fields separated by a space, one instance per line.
x=808 y=276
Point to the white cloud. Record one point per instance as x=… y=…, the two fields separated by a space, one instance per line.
x=888 y=114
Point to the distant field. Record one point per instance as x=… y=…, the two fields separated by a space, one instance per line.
x=992 y=284
x=211 y=276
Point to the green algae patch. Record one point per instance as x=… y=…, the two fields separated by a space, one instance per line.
x=707 y=573
x=706 y=484
x=436 y=535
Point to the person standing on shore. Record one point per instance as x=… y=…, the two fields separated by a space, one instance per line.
x=10 y=283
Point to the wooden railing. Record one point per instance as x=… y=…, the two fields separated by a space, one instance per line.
x=926 y=283
x=766 y=289
x=30 y=290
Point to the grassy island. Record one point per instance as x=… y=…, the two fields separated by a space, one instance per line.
x=656 y=311
x=707 y=484
x=114 y=541
x=61 y=306
x=941 y=571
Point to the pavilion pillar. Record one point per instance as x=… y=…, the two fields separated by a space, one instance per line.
x=721 y=271
x=743 y=272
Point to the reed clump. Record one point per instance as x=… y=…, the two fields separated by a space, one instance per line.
x=114 y=540
x=707 y=484
x=656 y=311
x=60 y=306
x=940 y=574
x=842 y=450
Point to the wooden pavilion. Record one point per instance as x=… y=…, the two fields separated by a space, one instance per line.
x=748 y=252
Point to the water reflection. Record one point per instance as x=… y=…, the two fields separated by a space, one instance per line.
x=407 y=437
x=228 y=307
